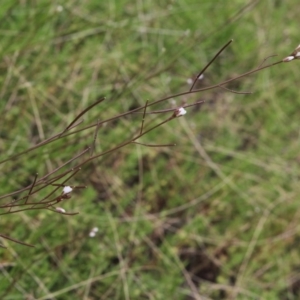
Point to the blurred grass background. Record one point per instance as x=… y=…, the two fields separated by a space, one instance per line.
x=215 y=217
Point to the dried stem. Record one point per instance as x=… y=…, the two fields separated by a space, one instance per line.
x=14 y=240
x=143 y=120
x=155 y=146
x=95 y=138
x=234 y=92
x=83 y=112
x=206 y=67
x=23 y=204
x=34 y=181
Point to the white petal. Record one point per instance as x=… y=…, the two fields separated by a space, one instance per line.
x=297 y=54
x=59 y=209
x=59 y=8
x=201 y=77
x=288 y=58
x=189 y=81
x=180 y=112
x=67 y=190
x=92 y=234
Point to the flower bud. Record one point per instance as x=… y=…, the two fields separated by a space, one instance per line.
x=179 y=112
x=288 y=58
x=294 y=55
x=67 y=190
x=60 y=210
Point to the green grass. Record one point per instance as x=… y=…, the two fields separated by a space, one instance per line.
x=215 y=217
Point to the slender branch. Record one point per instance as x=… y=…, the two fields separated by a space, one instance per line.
x=148 y=145
x=69 y=161
x=143 y=120
x=32 y=186
x=58 y=136
x=234 y=92
x=43 y=179
x=64 y=134
x=95 y=137
x=83 y=112
x=265 y=59
x=75 y=171
x=75 y=125
x=206 y=67
x=161 y=111
x=125 y=143
x=176 y=96
x=14 y=240
x=63 y=213
x=49 y=204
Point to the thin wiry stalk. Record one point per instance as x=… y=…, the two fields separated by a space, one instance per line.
x=234 y=92
x=143 y=120
x=60 y=135
x=154 y=146
x=210 y=62
x=64 y=134
x=95 y=138
x=46 y=203
x=32 y=186
x=14 y=240
x=83 y=112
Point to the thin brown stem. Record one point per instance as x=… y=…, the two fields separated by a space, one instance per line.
x=83 y=112
x=95 y=138
x=143 y=120
x=64 y=134
x=234 y=92
x=69 y=161
x=154 y=146
x=265 y=59
x=32 y=186
x=210 y=62
x=14 y=240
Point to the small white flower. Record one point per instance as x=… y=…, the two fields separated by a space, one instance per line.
x=67 y=190
x=179 y=112
x=297 y=55
x=288 y=58
x=59 y=8
x=59 y=209
x=189 y=81
x=92 y=234
x=201 y=77
x=294 y=55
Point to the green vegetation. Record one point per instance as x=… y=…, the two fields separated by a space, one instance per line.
x=216 y=216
